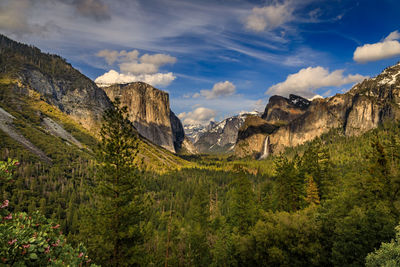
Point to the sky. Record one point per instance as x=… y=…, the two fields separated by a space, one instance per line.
x=215 y=58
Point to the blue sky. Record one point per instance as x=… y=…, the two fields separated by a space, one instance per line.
x=215 y=58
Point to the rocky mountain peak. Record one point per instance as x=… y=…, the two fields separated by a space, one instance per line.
x=282 y=110
x=363 y=108
x=149 y=110
x=299 y=101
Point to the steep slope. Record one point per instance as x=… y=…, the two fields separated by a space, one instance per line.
x=149 y=110
x=363 y=108
x=57 y=82
x=53 y=111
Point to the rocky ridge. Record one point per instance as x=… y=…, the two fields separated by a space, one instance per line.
x=363 y=108
x=220 y=137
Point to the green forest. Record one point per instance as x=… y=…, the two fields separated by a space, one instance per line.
x=121 y=201
x=330 y=202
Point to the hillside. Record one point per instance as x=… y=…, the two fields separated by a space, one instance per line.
x=366 y=106
x=50 y=100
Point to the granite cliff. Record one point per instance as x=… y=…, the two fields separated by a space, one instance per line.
x=57 y=82
x=29 y=77
x=363 y=108
x=149 y=110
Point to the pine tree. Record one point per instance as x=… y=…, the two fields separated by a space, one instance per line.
x=115 y=234
x=312 y=197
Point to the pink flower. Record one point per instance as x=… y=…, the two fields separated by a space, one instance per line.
x=5 y=204
x=12 y=241
x=47 y=250
x=8 y=217
x=16 y=163
x=26 y=246
x=80 y=255
x=55 y=227
x=56 y=244
x=6 y=171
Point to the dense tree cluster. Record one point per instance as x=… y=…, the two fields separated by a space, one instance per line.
x=329 y=202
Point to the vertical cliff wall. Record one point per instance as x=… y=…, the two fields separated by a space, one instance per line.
x=149 y=110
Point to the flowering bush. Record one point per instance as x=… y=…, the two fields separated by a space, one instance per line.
x=33 y=240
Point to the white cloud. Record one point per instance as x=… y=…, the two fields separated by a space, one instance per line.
x=112 y=56
x=388 y=48
x=307 y=80
x=200 y=115
x=269 y=17
x=138 y=68
x=157 y=59
x=220 y=89
x=132 y=68
x=157 y=79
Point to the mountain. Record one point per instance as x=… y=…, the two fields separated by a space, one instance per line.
x=293 y=122
x=219 y=137
x=57 y=82
x=149 y=110
x=48 y=107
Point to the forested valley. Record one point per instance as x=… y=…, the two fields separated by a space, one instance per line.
x=329 y=202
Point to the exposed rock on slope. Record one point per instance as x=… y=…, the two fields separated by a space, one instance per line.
x=57 y=81
x=221 y=136
x=149 y=110
x=281 y=110
x=6 y=126
x=363 y=108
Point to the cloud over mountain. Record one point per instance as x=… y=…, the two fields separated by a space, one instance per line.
x=307 y=80
x=200 y=115
x=134 y=68
x=389 y=47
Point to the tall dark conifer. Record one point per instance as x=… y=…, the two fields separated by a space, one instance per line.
x=119 y=204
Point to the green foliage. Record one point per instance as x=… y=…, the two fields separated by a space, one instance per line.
x=118 y=208
x=33 y=240
x=388 y=255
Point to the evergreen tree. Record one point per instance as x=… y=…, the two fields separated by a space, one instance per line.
x=312 y=197
x=243 y=207
x=115 y=235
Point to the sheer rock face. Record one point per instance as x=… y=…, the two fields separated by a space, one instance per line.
x=281 y=110
x=178 y=133
x=79 y=98
x=149 y=110
x=363 y=108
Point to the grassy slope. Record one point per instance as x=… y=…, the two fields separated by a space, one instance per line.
x=28 y=110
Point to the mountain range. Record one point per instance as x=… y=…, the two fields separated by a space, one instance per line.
x=43 y=82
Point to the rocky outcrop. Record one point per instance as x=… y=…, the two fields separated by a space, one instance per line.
x=80 y=98
x=251 y=137
x=281 y=110
x=363 y=108
x=57 y=82
x=178 y=133
x=149 y=110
